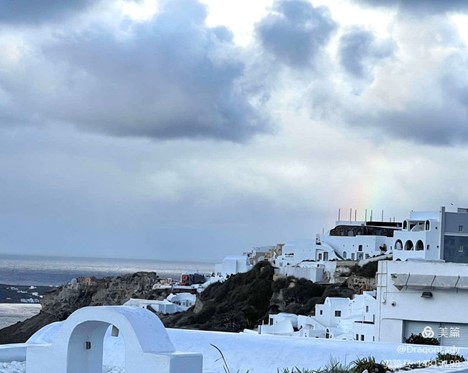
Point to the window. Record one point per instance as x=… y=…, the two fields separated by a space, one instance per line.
x=344 y=254
x=362 y=337
x=321 y=312
x=337 y=313
x=360 y=248
x=357 y=337
x=428 y=247
x=352 y=256
x=460 y=228
x=367 y=308
x=409 y=245
x=460 y=248
x=271 y=321
x=419 y=245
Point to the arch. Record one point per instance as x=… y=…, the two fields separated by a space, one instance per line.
x=77 y=346
x=398 y=245
x=419 y=245
x=409 y=245
x=344 y=254
x=405 y=225
x=428 y=225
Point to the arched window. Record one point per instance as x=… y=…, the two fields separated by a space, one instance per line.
x=344 y=254
x=419 y=245
x=409 y=245
x=405 y=225
x=398 y=245
x=428 y=225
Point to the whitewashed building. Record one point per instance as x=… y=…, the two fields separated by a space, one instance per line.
x=232 y=265
x=337 y=318
x=424 y=297
x=172 y=304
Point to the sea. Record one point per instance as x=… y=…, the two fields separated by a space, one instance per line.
x=24 y=279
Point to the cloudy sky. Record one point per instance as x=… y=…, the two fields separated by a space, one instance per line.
x=194 y=129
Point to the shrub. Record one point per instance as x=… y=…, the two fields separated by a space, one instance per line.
x=420 y=340
x=448 y=358
x=368 y=364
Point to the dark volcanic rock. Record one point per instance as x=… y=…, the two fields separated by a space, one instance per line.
x=58 y=304
x=240 y=302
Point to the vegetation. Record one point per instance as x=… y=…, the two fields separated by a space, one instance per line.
x=446 y=358
x=245 y=300
x=420 y=340
x=368 y=270
x=368 y=364
x=240 y=302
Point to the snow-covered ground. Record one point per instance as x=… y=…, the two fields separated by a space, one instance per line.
x=257 y=353
x=264 y=354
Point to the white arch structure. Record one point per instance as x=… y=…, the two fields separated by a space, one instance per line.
x=78 y=346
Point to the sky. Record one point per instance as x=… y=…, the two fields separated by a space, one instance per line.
x=196 y=129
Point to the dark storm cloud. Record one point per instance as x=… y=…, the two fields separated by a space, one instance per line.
x=359 y=51
x=421 y=6
x=295 y=31
x=34 y=12
x=172 y=77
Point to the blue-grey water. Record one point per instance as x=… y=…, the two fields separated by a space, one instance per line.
x=54 y=271
x=24 y=279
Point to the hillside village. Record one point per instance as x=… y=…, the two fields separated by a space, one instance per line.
x=421 y=284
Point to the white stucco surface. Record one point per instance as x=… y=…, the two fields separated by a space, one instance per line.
x=77 y=344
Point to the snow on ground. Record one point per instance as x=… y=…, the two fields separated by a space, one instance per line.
x=265 y=354
x=262 y=354
x=255 y=353
x=11 y=313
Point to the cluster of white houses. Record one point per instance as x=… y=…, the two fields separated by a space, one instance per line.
x=422 y=278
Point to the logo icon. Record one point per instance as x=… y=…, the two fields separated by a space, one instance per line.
x=428 y=332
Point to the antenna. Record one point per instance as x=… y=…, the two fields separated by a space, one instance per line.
x=365 y=219
x=350 y=215
x=355 y=215
x=339 y=214
x=382 y=215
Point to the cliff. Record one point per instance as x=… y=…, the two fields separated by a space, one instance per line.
x=242 y=301
x=59 y=303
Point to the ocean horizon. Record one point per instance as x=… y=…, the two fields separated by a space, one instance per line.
x=57 y=270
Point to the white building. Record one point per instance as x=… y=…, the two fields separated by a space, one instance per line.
x=172 y=304
x=355 y=240
x=433 y=235
x=422 y=297
x=441 y=235
x=337 y=318
x=232 y=265
x=183 y=300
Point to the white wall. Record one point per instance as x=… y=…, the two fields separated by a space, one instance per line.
x=350 y=244
x=394 y=306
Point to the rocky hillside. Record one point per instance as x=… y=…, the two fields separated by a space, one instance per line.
x=242 y=301
x=245 y=299
x=59 y=303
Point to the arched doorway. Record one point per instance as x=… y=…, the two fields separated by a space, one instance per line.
x=86 y=347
